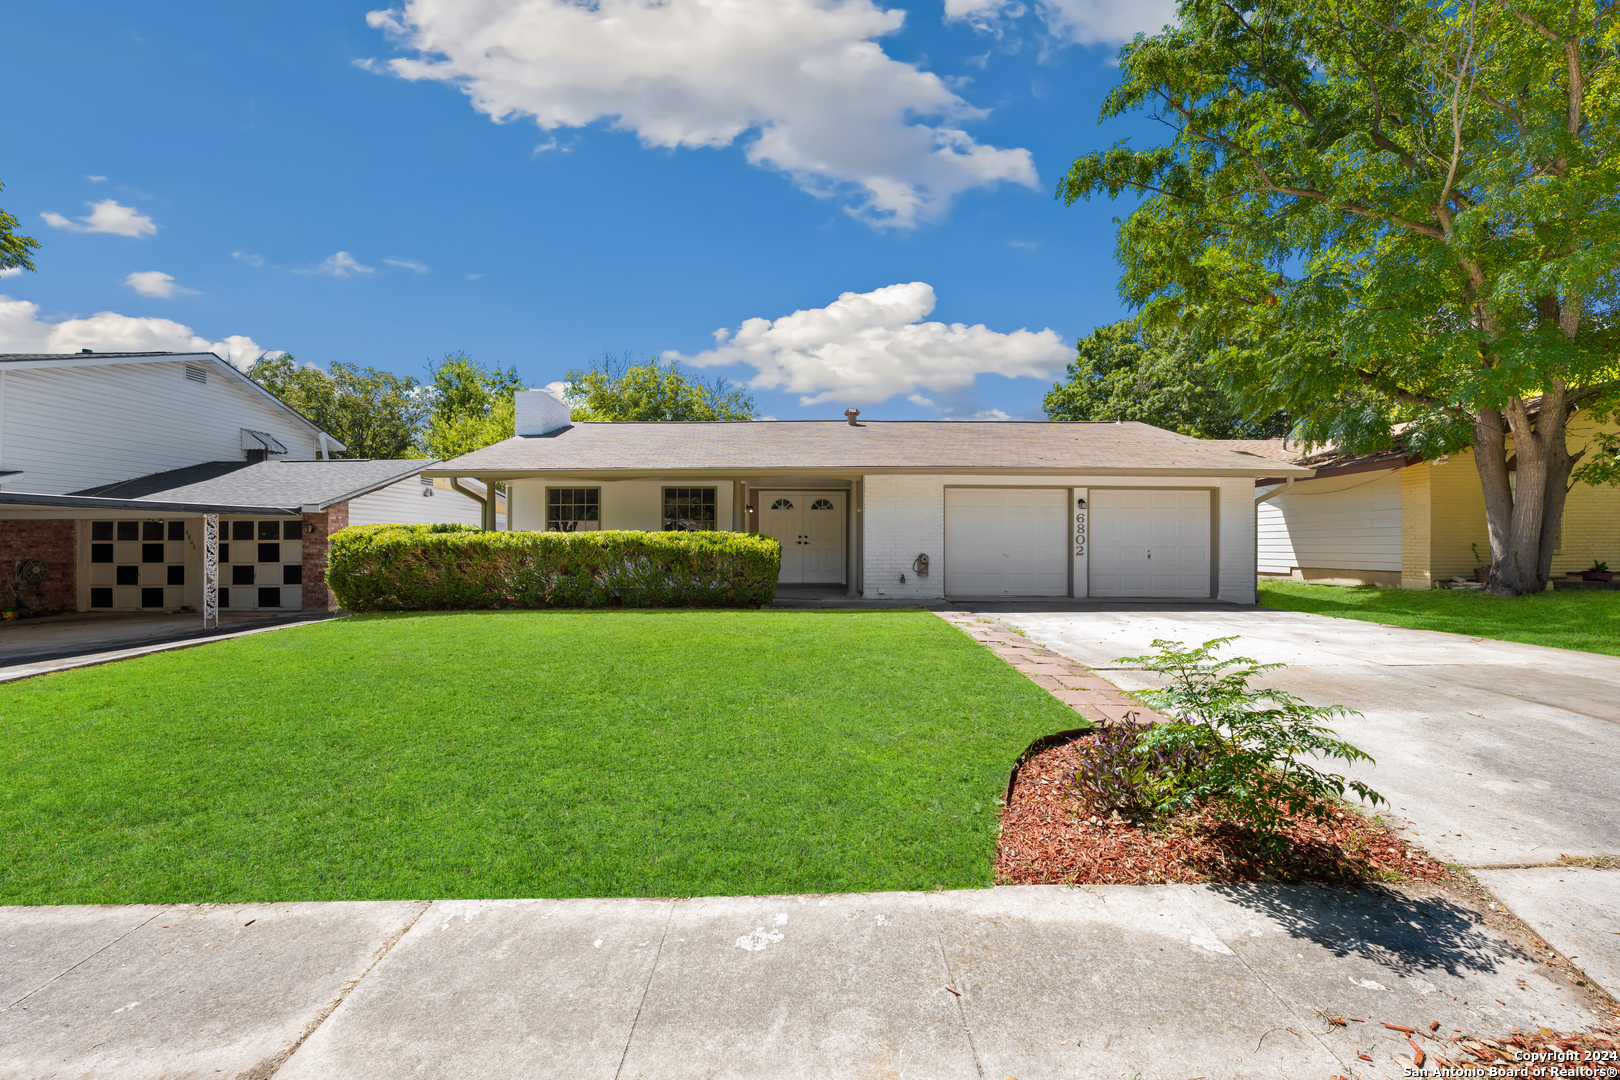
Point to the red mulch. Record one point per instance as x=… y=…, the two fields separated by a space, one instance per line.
x=1593 y=1050
x=1048 y=837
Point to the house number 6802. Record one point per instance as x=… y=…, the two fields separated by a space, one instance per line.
x=1080 y=532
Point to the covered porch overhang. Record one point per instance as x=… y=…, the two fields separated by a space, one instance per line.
x=736 y=505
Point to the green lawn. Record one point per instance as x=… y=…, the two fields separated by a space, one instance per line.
x=1571 y=619
x=518 y=754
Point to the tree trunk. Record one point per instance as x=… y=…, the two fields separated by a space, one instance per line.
x=1523 y=518
x=1490 y=457
x=1552 y=425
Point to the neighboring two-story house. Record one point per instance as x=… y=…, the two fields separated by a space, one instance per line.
x=109 y=463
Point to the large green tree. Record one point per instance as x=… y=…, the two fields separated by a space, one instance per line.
x=14 y=249
x=374 y=413
x=616 y=389
x=1122 y=372
x=470 y=406
x=1393 y=212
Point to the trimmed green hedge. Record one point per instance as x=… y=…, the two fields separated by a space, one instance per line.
x=439 y=567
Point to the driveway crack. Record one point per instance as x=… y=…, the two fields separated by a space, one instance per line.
x=86 y=960
x=652 y=973
x=961 y=1009
x=267 y=1068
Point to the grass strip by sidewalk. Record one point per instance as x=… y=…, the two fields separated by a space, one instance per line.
x=1586 y=620
x=517 y=754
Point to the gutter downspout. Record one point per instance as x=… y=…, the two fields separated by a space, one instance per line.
x=1287 y=483
x=455 y=485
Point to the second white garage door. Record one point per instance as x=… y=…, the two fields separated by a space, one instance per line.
x=1148 y=542
x=1006 y=542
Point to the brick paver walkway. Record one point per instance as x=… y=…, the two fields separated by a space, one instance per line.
x=1076 y=685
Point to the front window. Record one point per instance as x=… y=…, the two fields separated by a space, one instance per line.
x=573 y=509
x=688 y=509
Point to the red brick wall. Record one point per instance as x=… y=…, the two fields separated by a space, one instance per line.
x=56 y=543
x=317 y=597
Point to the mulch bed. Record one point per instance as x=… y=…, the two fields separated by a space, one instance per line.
x=1048 y=837
x=1592 y=1049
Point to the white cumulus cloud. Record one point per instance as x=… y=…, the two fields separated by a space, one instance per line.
x=340 y=265
x=804 y=83
x=155 y=283
x=10 y=271
x=1082 y=22
x=22 y=330
x=408 y=264
x=106 y=216
x=867 y=347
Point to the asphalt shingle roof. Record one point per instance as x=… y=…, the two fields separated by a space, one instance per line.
x=264 y=483
x=6 y=357
x=875 y=446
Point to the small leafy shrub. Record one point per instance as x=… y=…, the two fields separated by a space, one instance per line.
x=1115 y=776
x=1598 y=567
x=1242 y=746
x=440 y=567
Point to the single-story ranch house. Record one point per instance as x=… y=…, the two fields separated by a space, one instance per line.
x=1397 y=520
x=907 y=510
x=111 y=465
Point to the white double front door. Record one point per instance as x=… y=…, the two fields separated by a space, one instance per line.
x=810 y=527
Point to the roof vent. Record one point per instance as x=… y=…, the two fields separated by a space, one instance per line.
x=852 y=415
x=196 y=373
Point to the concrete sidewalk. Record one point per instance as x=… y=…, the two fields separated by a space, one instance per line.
x=1028 y=982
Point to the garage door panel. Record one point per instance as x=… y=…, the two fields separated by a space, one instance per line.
x=1150 y=543
x=1006 y=542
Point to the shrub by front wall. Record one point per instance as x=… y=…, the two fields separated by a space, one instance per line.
x=441 y=567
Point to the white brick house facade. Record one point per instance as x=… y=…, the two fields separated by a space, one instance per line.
x=910 y=511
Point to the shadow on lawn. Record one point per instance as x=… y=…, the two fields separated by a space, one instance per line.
x=1403 y=934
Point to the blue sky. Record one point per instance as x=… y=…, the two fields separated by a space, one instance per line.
x=301 y=177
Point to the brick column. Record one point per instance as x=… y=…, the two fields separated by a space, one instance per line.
x=55 y=543
x=317 y=597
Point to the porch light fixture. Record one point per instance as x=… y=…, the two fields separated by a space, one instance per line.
x=309 y=526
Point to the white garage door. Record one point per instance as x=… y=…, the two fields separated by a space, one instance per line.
x=1150 y=543
x=1006 y=542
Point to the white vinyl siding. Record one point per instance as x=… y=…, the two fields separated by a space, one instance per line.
x=1340 y=523
x=402 y=503
x=73 y=427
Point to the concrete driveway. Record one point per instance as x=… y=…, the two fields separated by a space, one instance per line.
x=1496 y=754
